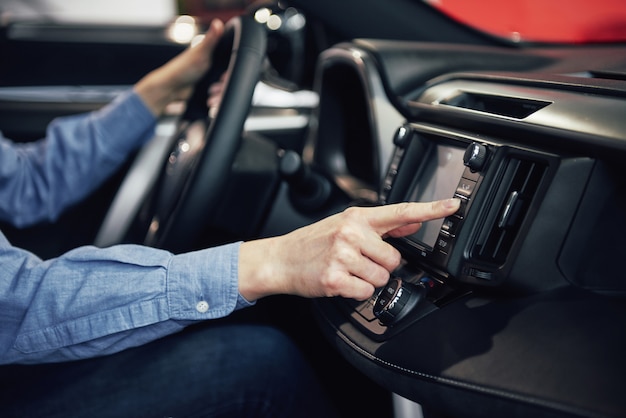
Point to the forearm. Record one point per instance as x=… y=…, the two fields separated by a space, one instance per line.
x=92 y=302
x=40 y=179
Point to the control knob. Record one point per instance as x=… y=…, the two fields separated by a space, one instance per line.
x=475 y=157
x=402 y=136
x=396 y=300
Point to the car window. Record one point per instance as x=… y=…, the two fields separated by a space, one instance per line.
x=119 y=12
x=555 y=21
x=114 y=12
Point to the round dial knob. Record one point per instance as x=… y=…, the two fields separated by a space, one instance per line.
x=396 y=300
x=402 y=136
x=475 y=157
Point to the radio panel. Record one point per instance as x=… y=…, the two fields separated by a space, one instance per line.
x=497 y=185
x=428 y=167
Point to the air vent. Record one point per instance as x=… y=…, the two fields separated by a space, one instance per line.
x=512 y=107
x=517 y=189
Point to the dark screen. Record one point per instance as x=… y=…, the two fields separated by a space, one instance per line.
x=444 y=167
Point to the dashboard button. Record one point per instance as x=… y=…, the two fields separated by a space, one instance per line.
x=444 y=243
x=466 y=187
x=462 y=208
x=450 y=225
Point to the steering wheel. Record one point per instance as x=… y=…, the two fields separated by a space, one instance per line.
x=195 y=171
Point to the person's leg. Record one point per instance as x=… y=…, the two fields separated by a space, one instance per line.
x=215 y=371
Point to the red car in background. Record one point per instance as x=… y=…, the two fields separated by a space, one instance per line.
x=532 y=21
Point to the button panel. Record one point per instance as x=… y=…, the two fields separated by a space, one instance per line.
x=449 y=229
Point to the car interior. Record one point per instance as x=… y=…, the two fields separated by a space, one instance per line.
x=514 y=306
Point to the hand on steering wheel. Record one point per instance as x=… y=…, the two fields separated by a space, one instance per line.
x=193 y=176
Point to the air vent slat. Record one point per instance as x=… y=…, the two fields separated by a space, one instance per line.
x=517 y=189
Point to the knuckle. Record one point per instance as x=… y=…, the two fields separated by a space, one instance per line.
x=332 y=284
x=381 y=278
x=345 y=234
x=353 y=214
x=403 y=210
x=352 y=211
x=391 y=258
x=364 y=293
x=347 y=258
x=395 y=258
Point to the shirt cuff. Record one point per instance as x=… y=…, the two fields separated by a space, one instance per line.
x=204 y=284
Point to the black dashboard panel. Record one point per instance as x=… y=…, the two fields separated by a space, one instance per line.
x=519 y=298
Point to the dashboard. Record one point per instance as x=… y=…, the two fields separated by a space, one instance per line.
x=515 y=304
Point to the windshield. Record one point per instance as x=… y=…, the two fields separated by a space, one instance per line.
x=553 y=21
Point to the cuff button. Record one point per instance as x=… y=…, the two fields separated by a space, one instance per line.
x=202 y=306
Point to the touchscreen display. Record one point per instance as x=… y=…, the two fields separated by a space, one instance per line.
x=443 y=168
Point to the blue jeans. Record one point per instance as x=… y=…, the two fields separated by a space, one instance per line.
x=208 y=371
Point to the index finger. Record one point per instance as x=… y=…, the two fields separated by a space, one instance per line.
x=392 y=217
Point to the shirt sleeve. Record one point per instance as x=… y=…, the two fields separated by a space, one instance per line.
x=92 y=302
x=38 y=180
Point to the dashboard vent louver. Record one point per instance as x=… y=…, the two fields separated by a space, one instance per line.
x=517 y=189
x=512 y=107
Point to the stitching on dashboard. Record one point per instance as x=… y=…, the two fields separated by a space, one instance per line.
x=460 y=384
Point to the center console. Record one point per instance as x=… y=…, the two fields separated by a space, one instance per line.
x=514 y=296
x=499 y=187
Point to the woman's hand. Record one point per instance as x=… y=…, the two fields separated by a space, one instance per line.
x=176 y=78
x=342 y=255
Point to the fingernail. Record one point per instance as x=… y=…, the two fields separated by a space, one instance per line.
x=453 y=203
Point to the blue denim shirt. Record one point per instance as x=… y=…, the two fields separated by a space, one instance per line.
x=91 y=301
